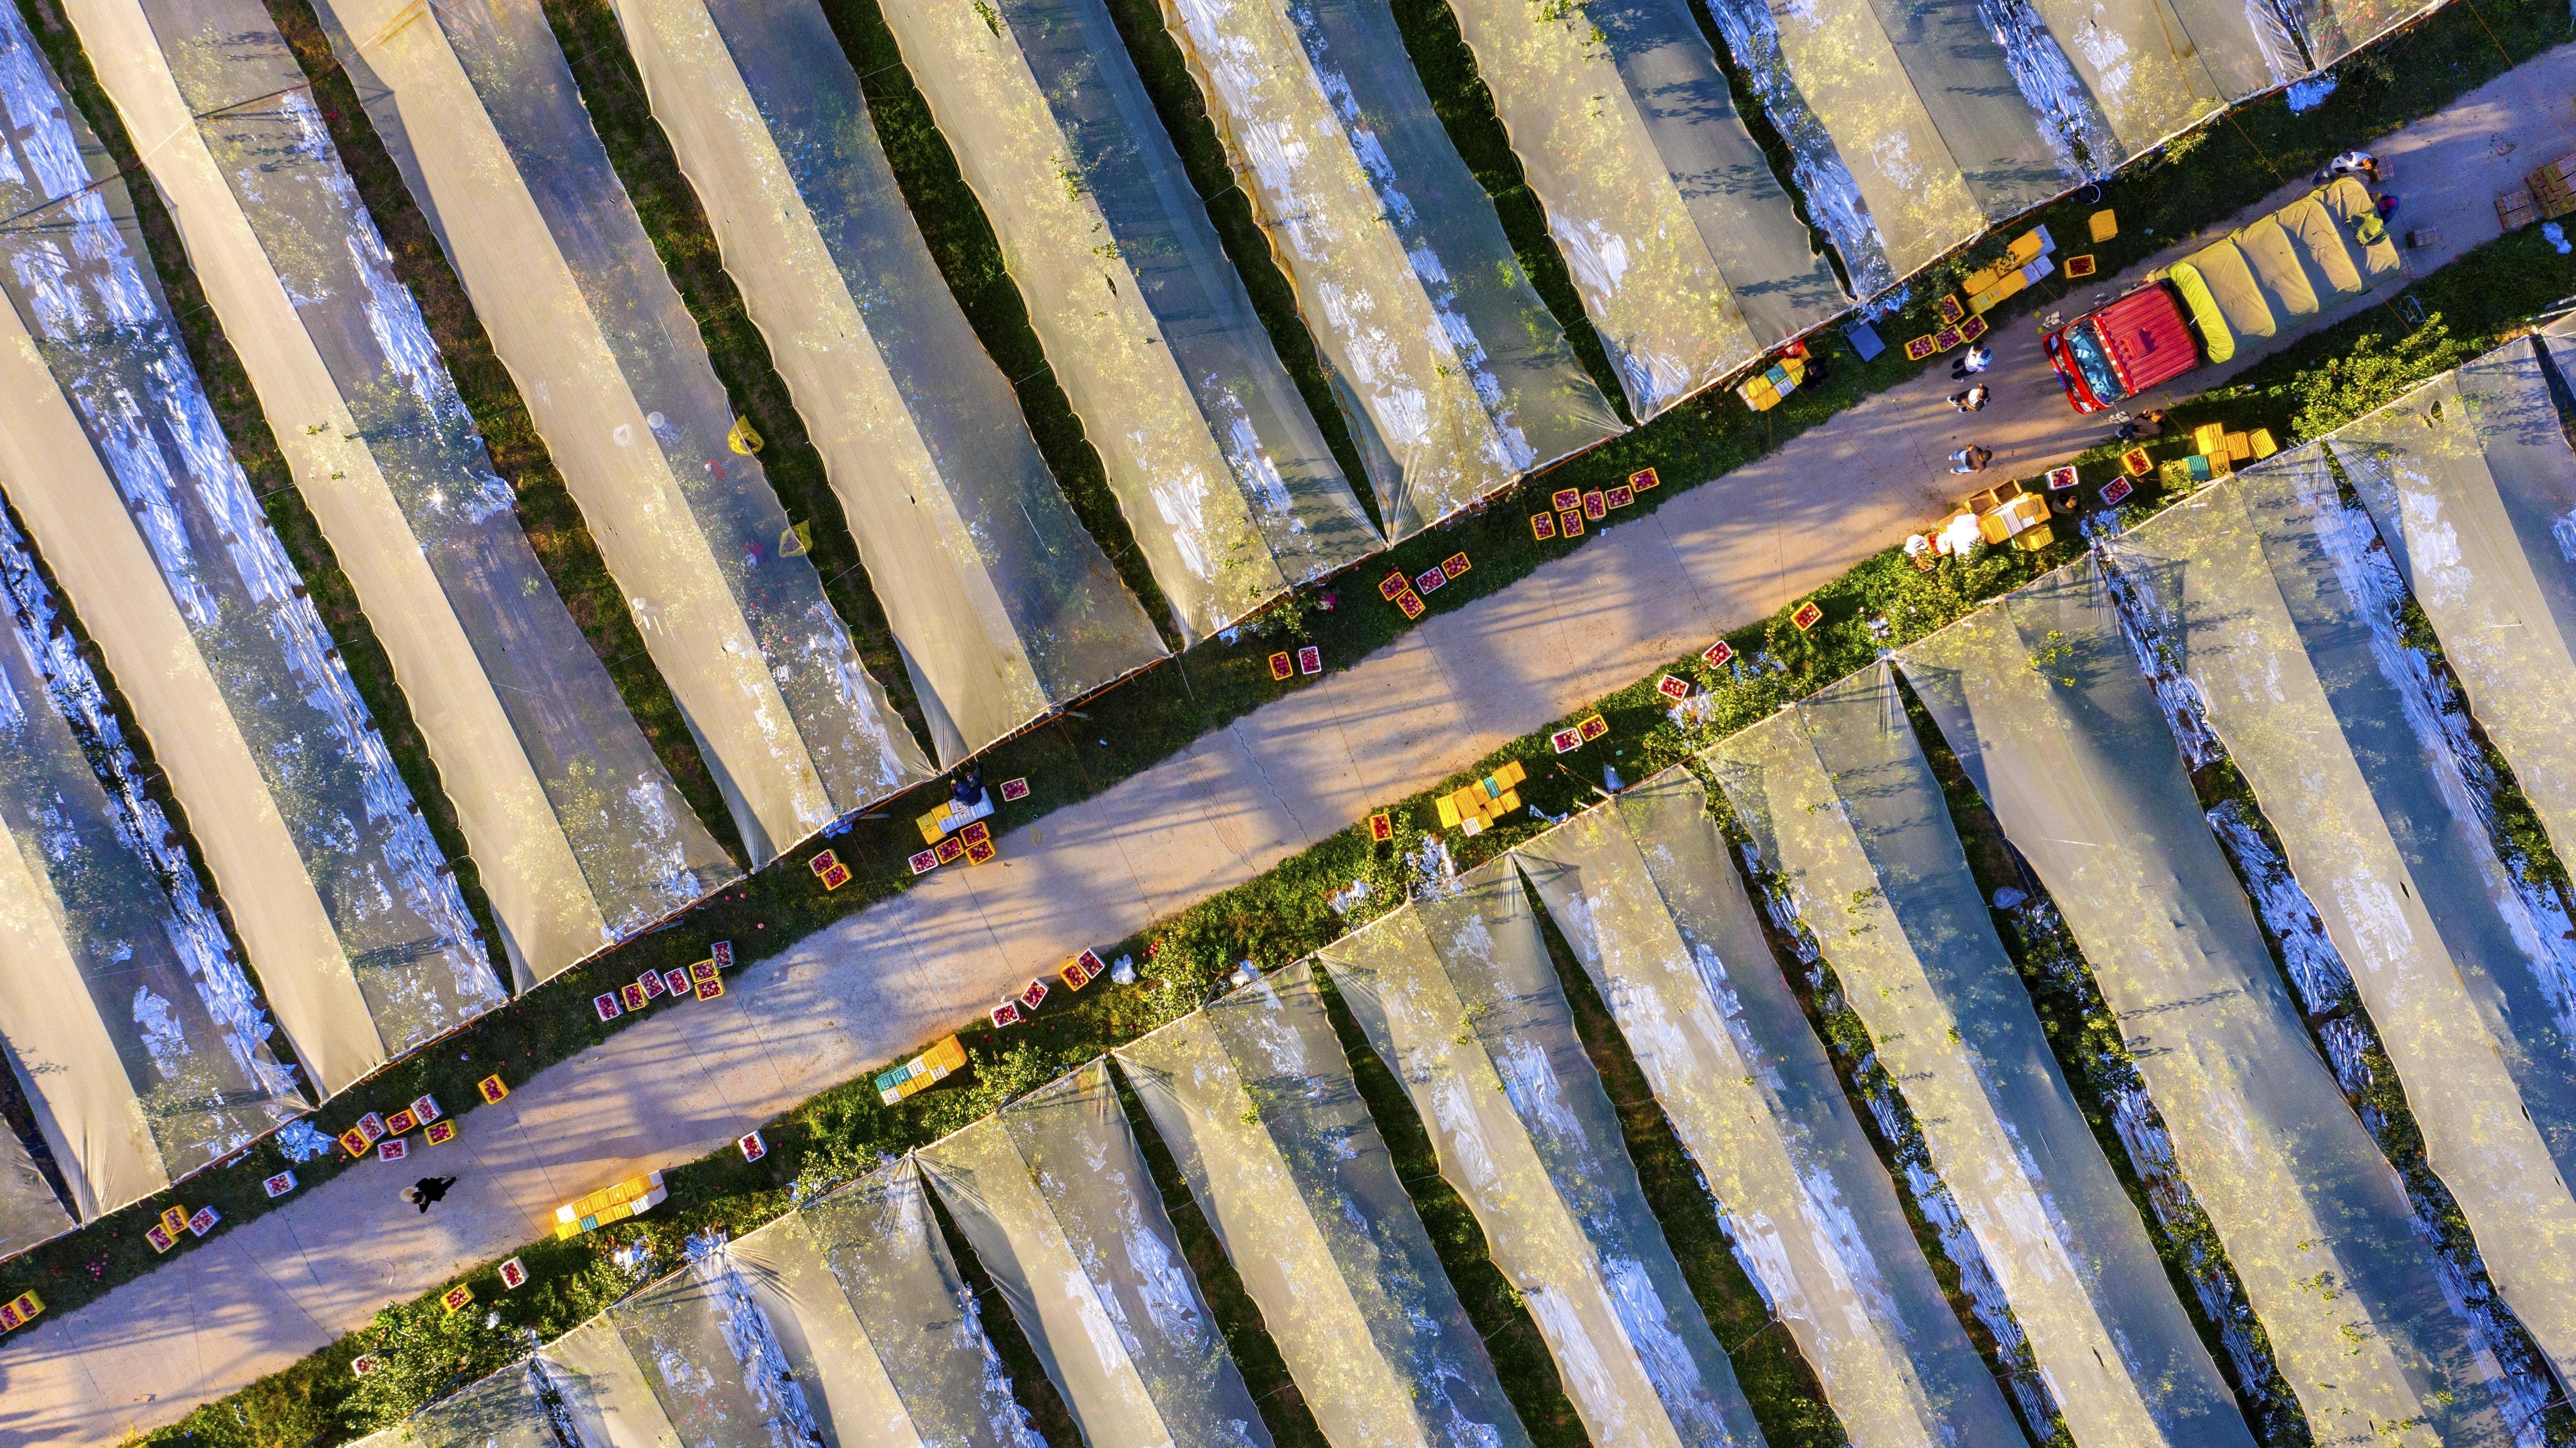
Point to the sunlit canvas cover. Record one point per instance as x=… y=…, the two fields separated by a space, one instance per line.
x=1003 y=605
x=1254 y=1099
x=924 y=1327
x=2472 y=483
x=1456 y=377
x=1054 y=1197
x=2040 y=697
x=132 y=1030
x=111 y=453
x=476 y=105
x=600 y=1391
x=1457 y=996
x=1225 y=480
x=1687 y=251
x=582 y=836
x=2287 y=614
x=29 y=1210
x=1645 y=895
x=1839 y=799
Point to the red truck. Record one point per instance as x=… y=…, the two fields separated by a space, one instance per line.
x=2117 y=352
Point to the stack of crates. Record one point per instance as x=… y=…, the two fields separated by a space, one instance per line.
x=1480 y=804
x=2515 y=209
x=629 y=1198
x=921 y=1072
x=2553 y=187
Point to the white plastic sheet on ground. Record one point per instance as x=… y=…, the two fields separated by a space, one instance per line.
x=1255 y=1100
x=1056 y=1200
x=582 y=837
x=1004 y=607
x=1456 y=377
x=1689 y=256
x=2284 y=610
x=110 y=452
x=129 y=1024
x=2040 y=697
x=1457 y=995
x=2472 y=483
x=1839 y=799
x=476 y=105
x=1224 y=479
x=505 y=1410
x=1646 y=896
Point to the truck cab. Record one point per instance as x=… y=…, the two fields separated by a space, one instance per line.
x=2114 y=353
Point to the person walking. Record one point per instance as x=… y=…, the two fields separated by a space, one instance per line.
x=1976 y=359
x=428 y=1190
x=1971 y=459
x=1971 y=400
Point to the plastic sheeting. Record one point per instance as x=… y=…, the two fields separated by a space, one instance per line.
x=1654 y=910
x=112 y=455
x=1457 y=379
x=582 y=836
x=1840 y=799
x=1055 y=1198
x=1225 y=481
x=1257 y=1104
x=505 y=1410
x=1456 y=994
x=1911 y=128
x=2284 y=610
x=130 y=1026
x=29 y=1211
x=1689 y=256
x=842 y=1323
x=1003 y=605
x=2040 y=698
x=2472 y=483
x=476 y=105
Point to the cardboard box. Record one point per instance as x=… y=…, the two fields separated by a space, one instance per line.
x=278 y=1185
x=1716 y=654
x=514 y=1275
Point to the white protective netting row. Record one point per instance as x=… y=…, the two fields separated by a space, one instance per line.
x=1654 y=911
x=477 y=107
x=1225 y=481
x=1912 y=129
x=1003 y=605
x=581 y=835
x=111 y=454
x=2288 y=615
x=1690 y=257
x=2041 y=699
x=1455 y=376
x=1457 y=996
x=1839 y=799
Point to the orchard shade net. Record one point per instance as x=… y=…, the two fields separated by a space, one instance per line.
x=1457 y=996
x=1839 y=799
x=505 y=1410
x=2472 y=483
x=581 y=835
x=112 y=455
x=1256 y=1101
x=477 y=107
x=29 y=1211
x=1002 y=604
x=762 y=1342
x=1456 y=378
x=131 y=1028
x=1690 y=258
x=2040 y=697
x=1224 y=479
x=2285 y=612
x=1054 y=1196
x=1644 y=893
